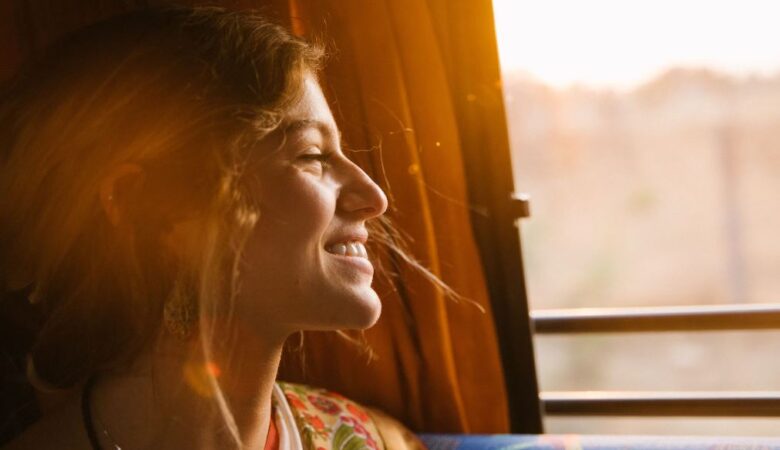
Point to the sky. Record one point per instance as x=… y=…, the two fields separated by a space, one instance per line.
x=623 y=43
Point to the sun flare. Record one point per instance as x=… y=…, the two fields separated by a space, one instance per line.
x=619 y=43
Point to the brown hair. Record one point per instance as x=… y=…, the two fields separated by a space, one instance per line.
x=184 y=93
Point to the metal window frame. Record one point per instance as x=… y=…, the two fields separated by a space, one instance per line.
x=660 y=319
x=657 y=319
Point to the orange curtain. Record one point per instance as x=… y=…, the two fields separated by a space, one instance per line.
x=438 y=367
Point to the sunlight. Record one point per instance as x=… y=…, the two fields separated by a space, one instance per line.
x=619 y=43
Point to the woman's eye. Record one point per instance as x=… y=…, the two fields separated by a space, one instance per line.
x=321 y=158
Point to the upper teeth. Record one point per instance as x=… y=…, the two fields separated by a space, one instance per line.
x=349 y=249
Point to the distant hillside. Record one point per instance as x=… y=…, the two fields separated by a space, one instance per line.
x=665 y=194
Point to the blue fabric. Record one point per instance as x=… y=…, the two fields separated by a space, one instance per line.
x=583 y=442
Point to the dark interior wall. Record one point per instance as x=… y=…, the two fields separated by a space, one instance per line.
x=27 y=26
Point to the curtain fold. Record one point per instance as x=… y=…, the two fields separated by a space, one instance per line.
x=437 y=365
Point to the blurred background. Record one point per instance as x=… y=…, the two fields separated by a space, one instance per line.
x=648 y=136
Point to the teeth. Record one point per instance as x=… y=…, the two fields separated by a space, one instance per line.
x=340 y=249
x=349 y=249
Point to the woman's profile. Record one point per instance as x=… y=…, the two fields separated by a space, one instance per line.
x=176 y=203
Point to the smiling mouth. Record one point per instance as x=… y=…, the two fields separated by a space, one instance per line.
x=352 y=255
x=353 y=249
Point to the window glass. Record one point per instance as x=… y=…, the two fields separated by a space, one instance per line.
x=647 y=136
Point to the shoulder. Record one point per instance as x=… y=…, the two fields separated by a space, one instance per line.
x=394 y=434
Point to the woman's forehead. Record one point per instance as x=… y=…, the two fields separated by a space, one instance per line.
x=301 y=125
x=311 y=111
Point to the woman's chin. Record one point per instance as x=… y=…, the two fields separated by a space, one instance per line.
x=372 y=316
x=363 y=314
x=359 y=312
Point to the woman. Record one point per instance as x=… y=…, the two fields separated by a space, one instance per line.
x=179 y=205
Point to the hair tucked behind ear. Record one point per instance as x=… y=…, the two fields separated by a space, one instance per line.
x=184 y=94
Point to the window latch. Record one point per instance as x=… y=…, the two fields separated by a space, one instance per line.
x=520 y=205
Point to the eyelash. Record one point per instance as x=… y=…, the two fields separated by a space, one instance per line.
x=322 y=158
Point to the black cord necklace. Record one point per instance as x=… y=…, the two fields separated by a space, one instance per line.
x=86 y=414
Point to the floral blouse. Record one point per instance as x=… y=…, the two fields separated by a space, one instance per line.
x=308 y=418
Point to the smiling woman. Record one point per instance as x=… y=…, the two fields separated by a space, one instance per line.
x=179 y=205
x=314 y=203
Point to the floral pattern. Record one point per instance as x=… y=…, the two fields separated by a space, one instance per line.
x=328 y=421
x=324 y=404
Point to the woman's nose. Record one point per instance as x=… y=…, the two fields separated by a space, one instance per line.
x=361 y=196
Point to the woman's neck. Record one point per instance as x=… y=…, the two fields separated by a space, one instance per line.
x=167 y=400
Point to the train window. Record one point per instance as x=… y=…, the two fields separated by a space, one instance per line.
x=646 y=135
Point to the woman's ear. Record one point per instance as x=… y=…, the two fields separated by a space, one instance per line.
x=116 y=187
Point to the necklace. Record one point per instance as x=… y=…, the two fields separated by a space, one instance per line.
x=89 y=423
x=86 y=414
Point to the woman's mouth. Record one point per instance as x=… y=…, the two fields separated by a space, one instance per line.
x=356 y=249
x=353 y=254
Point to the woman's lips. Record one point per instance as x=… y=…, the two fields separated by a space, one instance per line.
x=359 y=263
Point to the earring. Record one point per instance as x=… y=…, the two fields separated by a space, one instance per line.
x=34 y=297
x=35 y=379
x=180 y=313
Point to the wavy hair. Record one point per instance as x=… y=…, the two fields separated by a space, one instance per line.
x=183 y=93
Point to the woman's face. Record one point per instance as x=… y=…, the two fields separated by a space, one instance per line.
x=305 y=265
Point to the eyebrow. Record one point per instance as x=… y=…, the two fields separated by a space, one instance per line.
x=294 y=126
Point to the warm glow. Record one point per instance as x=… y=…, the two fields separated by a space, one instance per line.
x=621 y=43
x=213 y=369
